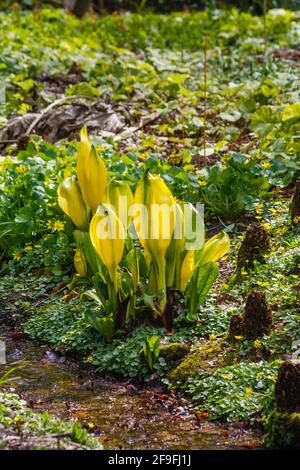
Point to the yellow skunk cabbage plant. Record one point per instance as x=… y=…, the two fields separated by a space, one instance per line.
x=80 y=262
x=72 y=203
x=91 y=173
x=144 y=253
x=204 y=272
x=120 y=198
x=154 y=224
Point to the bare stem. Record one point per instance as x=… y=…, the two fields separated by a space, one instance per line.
x=205 y=96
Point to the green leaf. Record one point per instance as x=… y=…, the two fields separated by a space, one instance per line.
x=291 y=112
x=199 y=286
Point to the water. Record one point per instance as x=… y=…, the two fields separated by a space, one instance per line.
x=122 y=415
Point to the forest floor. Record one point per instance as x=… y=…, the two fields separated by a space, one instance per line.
x=221 y=125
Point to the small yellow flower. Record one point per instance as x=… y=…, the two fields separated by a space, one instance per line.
x=248 y=391
x=226 y=157
x=259 y=208
x=3 y=166
x=17 y=419
x=296 y=219
x=266 y=165
x=202 y=183
x=22 y=169
x=257 y=344
x=17 y=256
x=239 y=338
x=28 y=247
x=59 y=225
x=49 y=224
x=90 y=425
x=212 y=337
x=90 y=359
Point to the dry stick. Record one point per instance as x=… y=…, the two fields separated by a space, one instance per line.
x=42 y=114
x=205 y=96
x=265 y=28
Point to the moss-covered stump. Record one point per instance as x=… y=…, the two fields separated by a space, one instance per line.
x=282 y=431
x=258 y=318
x=207 y=356
x=255 y=246
x=173 y=352
x=236 y=326
x=287 y=388
x=295 y=206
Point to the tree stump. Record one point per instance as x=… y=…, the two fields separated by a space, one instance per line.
x=255 y=245
x=258 y=318
x=295 y=206
x=287 y=388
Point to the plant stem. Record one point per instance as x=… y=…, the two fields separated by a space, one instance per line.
x=205 y=97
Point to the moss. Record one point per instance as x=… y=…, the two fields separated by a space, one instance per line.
x=207 y=356
x=255 y=246
x=173 y=352
x=287 y=388
x=282 y=431
x=295 y=206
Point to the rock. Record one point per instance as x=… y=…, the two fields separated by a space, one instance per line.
x=258 y=318
x=255 y=246
x=173 y=352
x=282 y=431
x=207 y=356
x=295 y=206
x=287 y=388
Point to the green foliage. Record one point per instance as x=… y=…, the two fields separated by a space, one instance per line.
x=235 y=188
x=27 y=195
x=151 y=350
x=104 y=325
x=241 y=391
x=198 y=288
x=15 y=414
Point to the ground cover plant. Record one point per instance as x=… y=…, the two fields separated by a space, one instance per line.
x=184 y=108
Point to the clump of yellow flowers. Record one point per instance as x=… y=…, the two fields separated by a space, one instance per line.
x=130 y=243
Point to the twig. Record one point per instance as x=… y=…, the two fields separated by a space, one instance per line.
x=43 y=112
